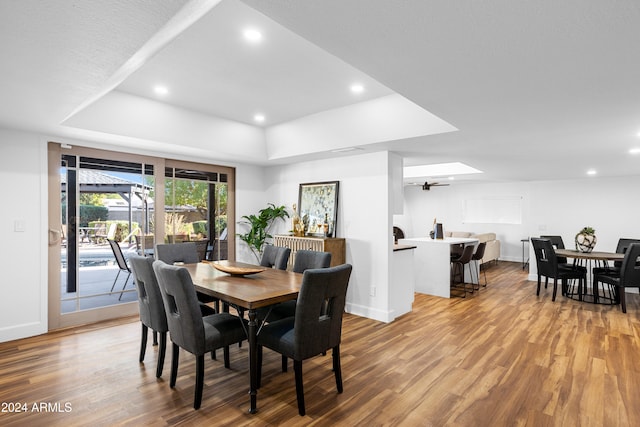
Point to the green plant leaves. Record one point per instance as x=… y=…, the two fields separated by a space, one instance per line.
x=260 y=225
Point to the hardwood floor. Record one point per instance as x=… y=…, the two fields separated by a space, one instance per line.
x=500 y=357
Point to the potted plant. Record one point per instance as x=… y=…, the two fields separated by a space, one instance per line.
x=260 y=225
x=586 y=239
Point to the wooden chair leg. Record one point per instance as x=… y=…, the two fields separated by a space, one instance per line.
x=297 y=368
x=143 y=342
x=284 y=363
x=623 y=299
x=555 y=288
x=155 y=338
x=175 y=354
x=197 y=399
x=538 y=289
x=162 y=349
x=336 y=367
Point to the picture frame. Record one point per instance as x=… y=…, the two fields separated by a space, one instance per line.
x=317 y=201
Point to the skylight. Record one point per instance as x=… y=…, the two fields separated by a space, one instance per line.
x=439 y=169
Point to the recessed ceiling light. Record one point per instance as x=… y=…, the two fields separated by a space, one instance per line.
x=161 y=90
x=634 y=151
x=252 y=35
x=357 y=88
x=259 y=118
x=591 y=172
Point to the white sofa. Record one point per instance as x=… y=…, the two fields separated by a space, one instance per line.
x=492 y=249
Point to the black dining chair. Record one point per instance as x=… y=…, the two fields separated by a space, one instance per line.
x=558 y=243
x=316 y=327
x=191 y=331
x=627 y=277
x=547 y=263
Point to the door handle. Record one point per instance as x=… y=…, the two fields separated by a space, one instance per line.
x=54 y=237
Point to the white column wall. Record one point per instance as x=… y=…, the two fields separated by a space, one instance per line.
x=363 y=219
x=23 y=173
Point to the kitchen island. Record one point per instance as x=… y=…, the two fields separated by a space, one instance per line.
x=432 y=266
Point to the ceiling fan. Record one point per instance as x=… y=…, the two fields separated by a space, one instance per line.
x=427 y=185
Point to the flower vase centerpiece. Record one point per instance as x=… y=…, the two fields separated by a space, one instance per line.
x=586 y=239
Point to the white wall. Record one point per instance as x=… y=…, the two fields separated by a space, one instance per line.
x=23 y=166
x=609 y=205
x=363 y=219
x=23 y=171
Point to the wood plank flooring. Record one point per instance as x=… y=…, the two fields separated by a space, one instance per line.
x=500 y=357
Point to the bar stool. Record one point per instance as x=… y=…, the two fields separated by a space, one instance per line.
x=476 y=258
x=457 y=268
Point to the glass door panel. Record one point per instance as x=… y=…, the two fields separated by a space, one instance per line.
x=105 y=205
x=196 y=210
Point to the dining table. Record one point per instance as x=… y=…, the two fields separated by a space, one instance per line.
x=588 y=258
x=246 y=291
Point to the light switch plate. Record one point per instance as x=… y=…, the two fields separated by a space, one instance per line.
x=19 y=225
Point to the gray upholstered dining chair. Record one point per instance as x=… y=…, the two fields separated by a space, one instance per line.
x=172 y=253
x=316 y=327
x=191 y=331
x=310 y=259
x=186 y=253
x=627 y=277
x=152 y=314
x=304 y=260
x=151 y=307
x=275 y=257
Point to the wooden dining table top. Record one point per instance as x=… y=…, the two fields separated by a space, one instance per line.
x=250 y=291
x=594 y=255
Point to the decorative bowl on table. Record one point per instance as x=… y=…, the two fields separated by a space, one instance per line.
x=238 y=271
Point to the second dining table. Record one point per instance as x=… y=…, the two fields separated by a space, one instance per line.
x=247 y=292
x=588 y=257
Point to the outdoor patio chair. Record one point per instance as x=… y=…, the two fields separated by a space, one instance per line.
x=122 y=265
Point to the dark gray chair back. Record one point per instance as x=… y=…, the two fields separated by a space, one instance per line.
x=546 y=259
x=558 y=243
x=171 y=253
x=275 y=256
x=623 y=246
x=630 y=270
x=311 y=259
x=320 y=306
x=152 y=312
x=182 y=307
x=479 y=253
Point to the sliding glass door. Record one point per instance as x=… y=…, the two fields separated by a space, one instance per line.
x=107 y=205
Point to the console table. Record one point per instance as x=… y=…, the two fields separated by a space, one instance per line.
x=335 y=245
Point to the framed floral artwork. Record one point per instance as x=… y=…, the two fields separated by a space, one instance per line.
x=318 y=207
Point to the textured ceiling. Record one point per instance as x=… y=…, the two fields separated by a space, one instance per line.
x=537 y=90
